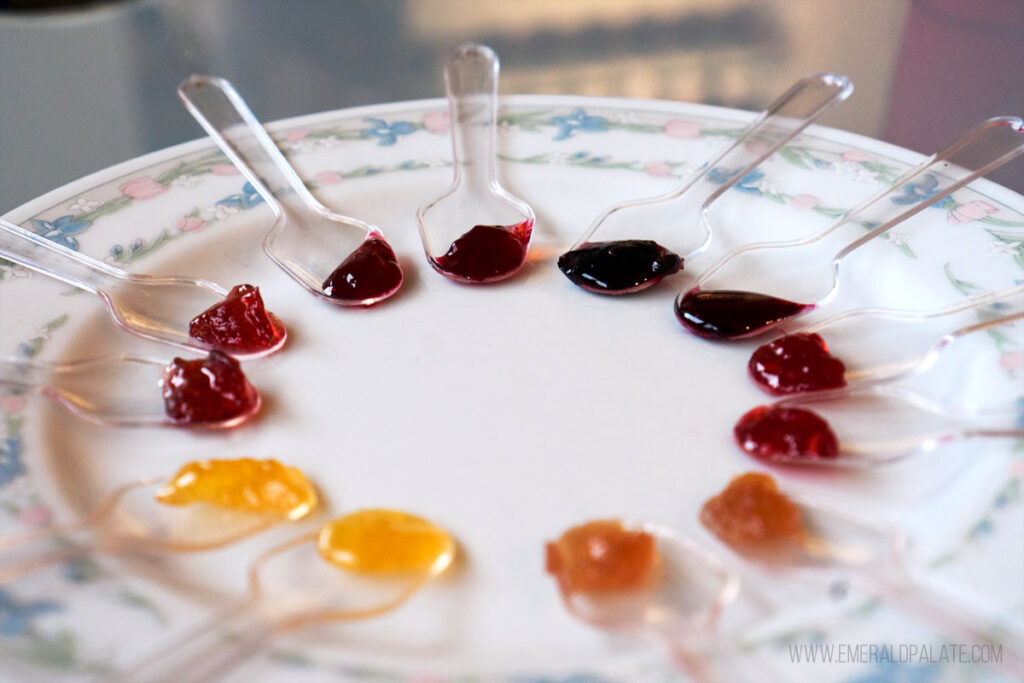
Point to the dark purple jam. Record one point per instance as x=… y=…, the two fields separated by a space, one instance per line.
x=620 y=266
x=729 y=314
x=795 y=363
x=486 y=253
x=785 y=434
x=367 y=275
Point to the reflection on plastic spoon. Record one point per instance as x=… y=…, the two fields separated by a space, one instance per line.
x=337 y=258
x=476 y=232
x=207 y=505
x=165 y=309
x=787 y=531
x=624 y=266
x=210 y=393
x=359 y=566
x=737 y=312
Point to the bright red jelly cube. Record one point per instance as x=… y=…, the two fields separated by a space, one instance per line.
x=795 y=363
x=785 y=434
x=239 y=323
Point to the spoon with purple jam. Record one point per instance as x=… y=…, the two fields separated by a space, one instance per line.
x=476 y=232
x=624 y=259
x=339 y=259
x=738 y=312
x=167 y=309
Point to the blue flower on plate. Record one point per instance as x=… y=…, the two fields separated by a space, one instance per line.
x=16 y=617
x=912 y=193
x=11 y=466
x=387 y=133
x=60 y=230
x=577 y=121
x=246 y=199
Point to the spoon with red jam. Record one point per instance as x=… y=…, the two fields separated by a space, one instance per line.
x=741 y=311
x=476 y=232
x=210 y=392
x=623 y=259
x=161 y=308
x=782 y=530
x=339 y=259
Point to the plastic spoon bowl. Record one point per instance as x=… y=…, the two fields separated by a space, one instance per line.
x=338 y=259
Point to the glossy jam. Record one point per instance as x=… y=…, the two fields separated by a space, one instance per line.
x=796 y=363
x=729 y=314
x=602 y=556
x=239 y=323
x=752 y=515
x=247 y=485
x=618 y=267
x=208 y=390
x=781 y=434
x=486 y=253
x=385 y=542
x=367 y=275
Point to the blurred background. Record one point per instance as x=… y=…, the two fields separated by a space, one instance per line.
x=84 y=85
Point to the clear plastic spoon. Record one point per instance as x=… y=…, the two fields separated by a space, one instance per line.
x=141 y=392
x=155 y=307
x=800 y=532
x=291 y=586
x=617 y=253
x=337 y=258
x=476 y=232
x=739 y=312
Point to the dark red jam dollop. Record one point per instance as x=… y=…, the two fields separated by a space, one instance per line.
x=785 y=434
x=730 y=314
x=367 y=275
x=208 y=390
x=795 y=363
x=618 y=267
x=239 y=323
x=486 y=253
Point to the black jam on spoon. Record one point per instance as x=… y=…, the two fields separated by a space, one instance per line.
x=618 y=266
x=733 y=314
x=368 y=274
x=486 y=253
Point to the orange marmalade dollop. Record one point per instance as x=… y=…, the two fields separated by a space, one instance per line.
x=244 y=484
x=752 y=516
x=385 y=542
x=602 y=555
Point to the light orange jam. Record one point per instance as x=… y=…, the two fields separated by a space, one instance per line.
x=245 y=484
x=385 y=542
x=752 y=515
x=602 y=555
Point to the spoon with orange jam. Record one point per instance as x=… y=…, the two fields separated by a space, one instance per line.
x=785 y=530
x=646 y=579
x=207 y=505
x=359 y=566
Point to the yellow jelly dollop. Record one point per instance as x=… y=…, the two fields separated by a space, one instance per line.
x=245 y=484
x=385 y=542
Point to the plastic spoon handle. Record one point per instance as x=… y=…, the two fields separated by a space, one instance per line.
x=471 y=79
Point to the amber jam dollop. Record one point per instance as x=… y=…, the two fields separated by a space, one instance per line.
x=208 y=390
x=368 y=274
x=796 y=363
x=243 y=484
x=239 y=323
x=733 y=314
x=380 y=541
x=752 y=516
x=487 y=253
x=602 y=556
x=776 y=433
x=619 y=266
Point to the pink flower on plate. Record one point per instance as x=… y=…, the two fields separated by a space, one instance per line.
x=658 y=169
x=328 y=178
x=296 y=134
x=189 y=223
x=757 y=147
x=970 y=211
x=856 y=156
x=35 y=516
x=682 y=129
x=1012 y=360
x=142 y=188
x=224 y=169
x=12 y=404
x=437 y=122
x=805 y=201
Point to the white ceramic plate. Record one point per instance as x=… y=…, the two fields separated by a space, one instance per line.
x=505 y=413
